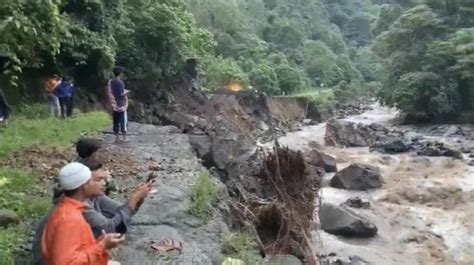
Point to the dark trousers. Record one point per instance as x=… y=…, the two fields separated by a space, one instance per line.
x=119 y=122
x=66 y=106
x=4 y=108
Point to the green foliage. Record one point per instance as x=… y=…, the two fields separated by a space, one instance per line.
x=241 y=246
x=429 y=65
x=290 y=79
x=17 y=193
x=221 y=72
x=22 y=132
x=296 y=41
x=318 y=97
x=237 y=41
x=203 y=197
x=30 y=33
x=388 y=14
x=264 y=77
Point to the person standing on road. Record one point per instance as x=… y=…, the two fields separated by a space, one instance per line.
x=118 y=99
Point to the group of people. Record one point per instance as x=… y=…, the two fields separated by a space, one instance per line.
x=60 y=93
x=84 y=222
x=61 y=97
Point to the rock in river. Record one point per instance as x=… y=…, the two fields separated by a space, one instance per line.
x=322 y=160
x=357 y=177
x=341 y=221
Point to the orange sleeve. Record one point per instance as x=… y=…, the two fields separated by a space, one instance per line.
x=68 y=248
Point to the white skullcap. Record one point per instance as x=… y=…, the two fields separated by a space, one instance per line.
x=73 y=175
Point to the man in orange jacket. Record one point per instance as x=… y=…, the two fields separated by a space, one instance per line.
x=67 y=237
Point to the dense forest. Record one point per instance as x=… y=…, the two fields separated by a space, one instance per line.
x=416 y=55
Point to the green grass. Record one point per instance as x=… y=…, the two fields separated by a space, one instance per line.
x=17 y=189
x=203 y=197
x=324 y=98
x=241 y=246
x=22 y=132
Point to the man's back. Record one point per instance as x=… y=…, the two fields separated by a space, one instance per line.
x=67 y=238
x=118 y=91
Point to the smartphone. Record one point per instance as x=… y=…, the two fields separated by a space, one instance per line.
x=151 y=177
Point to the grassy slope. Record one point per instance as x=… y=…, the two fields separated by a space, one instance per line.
x=18 y=187
x=323 y=98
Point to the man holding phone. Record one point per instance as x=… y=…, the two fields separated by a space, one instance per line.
x=101 y=212
x=67 y=237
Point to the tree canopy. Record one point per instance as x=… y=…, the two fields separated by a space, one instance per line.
x=429 y=58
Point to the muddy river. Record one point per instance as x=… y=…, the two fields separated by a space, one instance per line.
x=424 y=211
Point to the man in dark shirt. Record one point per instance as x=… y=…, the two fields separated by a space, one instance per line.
x=119 y=103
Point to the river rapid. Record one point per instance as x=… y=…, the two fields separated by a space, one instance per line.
x=424 y=211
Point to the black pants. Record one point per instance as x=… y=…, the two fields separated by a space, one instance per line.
x=4 y=108
x=66 y=106
x=119 y=122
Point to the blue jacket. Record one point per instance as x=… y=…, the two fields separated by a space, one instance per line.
x=65 y=89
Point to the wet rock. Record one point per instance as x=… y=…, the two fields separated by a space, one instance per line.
x=412 y=136
x=367 y=108
x=227 y=151
x=357 y=177
x=438 y=149
x=307 y=122
x=454 y=130
x=201 y=144
x=282 y=259
x=357 y=203
x=8 y=217
x=349 y=134
x=322 y=160
x=471 y=163
x=392 y=145
x=471 y=155
x=343 y=221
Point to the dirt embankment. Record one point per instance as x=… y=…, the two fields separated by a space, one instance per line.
x=237 y=113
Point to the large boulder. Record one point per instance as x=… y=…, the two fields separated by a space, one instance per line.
x=8 y=217
x=322 y=160
x=453 y=131
x=201 y=144
x=392 y=145
x=227 y=151
x=349 y=134
x=357 y=177
x=438 y=149
x=341 y=221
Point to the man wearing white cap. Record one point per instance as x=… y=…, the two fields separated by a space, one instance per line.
x=67 y=237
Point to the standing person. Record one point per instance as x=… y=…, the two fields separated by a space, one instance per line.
x=65 y=93
x=67 y=237
x=53 y=101
x=4 y=108
x=119 y=103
